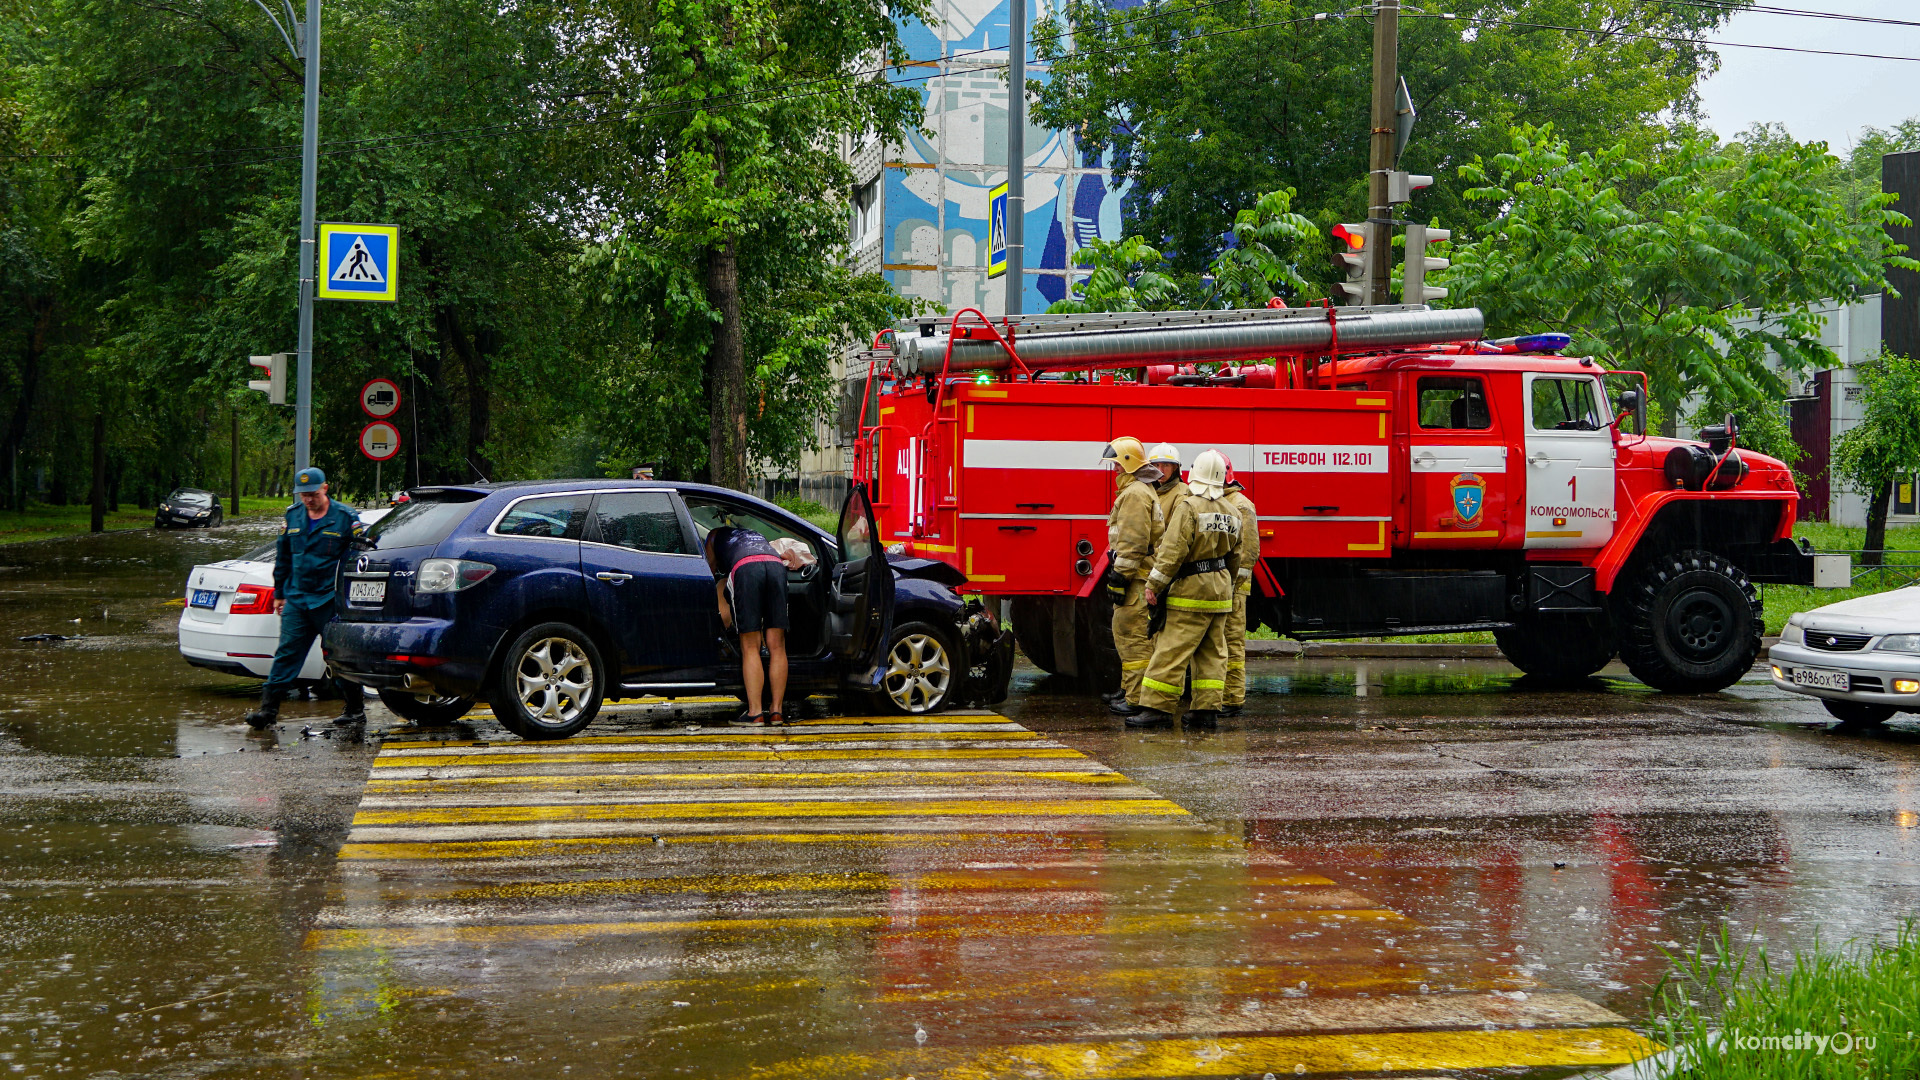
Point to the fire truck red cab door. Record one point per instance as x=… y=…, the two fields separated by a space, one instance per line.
x=1457 y=462
x=861 y=615
x=1569 y=462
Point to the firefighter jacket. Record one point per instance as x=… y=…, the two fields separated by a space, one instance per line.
x=1203 y=534
x=1249 y=537
x=1168 y=492
x=1134 y=527
x=308 y=554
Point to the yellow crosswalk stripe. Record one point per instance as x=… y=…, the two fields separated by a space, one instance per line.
x=545 y=847
x=563 y=757
x=719 y=779
x=836 y=881
x=969 y=733
x=472 y=815
x=1403 y=1052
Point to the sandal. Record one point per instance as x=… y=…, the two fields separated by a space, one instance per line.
x=775 y=719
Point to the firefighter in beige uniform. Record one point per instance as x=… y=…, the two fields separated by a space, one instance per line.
x=1169 y=488
x=1133 y=529
x=1194 y=570
x=1236 y=690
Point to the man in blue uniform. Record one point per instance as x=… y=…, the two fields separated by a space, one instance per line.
x=318 y=534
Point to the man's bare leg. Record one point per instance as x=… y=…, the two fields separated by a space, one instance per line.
x=777 y=667
x=752 y=673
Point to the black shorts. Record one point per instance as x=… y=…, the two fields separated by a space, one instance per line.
x=757 y=591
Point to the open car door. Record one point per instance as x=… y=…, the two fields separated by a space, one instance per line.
x=862 y=610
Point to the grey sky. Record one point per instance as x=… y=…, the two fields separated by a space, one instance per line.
x=1817 y=97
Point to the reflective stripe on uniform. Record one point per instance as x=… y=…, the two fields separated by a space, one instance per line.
x=1246 y=587
x=1236 y=663
x=1209 y=684
x=1165 y=688
x=1137 y=665
x=1199 y=605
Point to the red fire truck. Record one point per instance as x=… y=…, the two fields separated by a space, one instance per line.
x=1411 y=478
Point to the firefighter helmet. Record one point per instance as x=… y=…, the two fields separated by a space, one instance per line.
x=1209 y=476
x=1166 y=454
x=1126 y=453
x=1231 y=480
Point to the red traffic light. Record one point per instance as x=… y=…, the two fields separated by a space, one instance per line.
x=1354 y=235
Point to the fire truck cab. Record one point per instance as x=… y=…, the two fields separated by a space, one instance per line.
x=1445 y=487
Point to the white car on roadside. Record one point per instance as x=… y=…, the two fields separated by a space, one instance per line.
x=1860 y=657
x=228 y=624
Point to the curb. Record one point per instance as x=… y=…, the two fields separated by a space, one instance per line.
x=1288 y=649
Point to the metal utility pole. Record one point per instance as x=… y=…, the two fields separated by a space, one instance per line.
x=1016 y=154
x=1380 y=155
x=309 y=179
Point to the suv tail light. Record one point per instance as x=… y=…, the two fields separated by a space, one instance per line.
x=450 y=575
x=252 y=600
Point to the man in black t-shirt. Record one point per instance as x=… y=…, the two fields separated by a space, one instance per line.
x=751 y=585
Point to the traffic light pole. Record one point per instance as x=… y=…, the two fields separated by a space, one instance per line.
x=1016 y=155
x=1380 y=155
x=309 y=176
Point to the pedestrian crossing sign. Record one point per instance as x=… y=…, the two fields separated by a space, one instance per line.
x=359 y=262
x=997 y=231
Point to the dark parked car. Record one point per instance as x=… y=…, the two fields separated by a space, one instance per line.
x=188 y=508
x=548 y=598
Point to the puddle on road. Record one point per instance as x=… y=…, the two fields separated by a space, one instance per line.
x=163 y=875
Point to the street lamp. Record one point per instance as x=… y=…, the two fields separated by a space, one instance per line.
x=303 y=40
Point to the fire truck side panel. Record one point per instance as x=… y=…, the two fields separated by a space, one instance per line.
x=1321 y=473
x=1464 y=487
x=1034 y=491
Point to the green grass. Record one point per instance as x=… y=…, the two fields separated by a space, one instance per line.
x=1870 y=992
x=812 y=511
x=38 y=522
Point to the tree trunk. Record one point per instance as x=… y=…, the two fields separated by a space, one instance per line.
x=98 y=496
x=1873 y=552
x=476 y=357
x=42 y=311
x=727 y=369
x=233 y=461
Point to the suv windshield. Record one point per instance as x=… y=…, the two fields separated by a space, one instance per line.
x=189 y=497
x=422 y=522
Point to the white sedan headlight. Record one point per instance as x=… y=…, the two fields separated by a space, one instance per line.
x=1793 y=633
x=1906 y=643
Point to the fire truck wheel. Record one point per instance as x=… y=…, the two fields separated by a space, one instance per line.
x=1033 y=631
x=1689 y=623
x=1563 y=648
x=924 y=668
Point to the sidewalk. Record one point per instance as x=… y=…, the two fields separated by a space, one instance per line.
x=1288 y=649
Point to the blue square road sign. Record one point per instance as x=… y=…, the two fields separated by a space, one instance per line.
x=359 y=262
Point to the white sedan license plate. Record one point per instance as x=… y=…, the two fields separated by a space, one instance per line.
x=1822 y=680
x=206 y=598
x=366 y=592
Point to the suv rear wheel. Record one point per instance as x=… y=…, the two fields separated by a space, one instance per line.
x=425 y=709
x=1689 y=623
x=550 y=682
x=1561 y=648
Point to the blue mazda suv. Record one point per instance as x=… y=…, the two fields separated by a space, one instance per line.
x=546 y=599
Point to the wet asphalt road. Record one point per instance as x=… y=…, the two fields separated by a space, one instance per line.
x=1427 y=861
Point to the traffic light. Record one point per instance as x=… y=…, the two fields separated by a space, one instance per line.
x=1414 y=288
x=1401 y=186
x=275 y=384
x=1350 y=254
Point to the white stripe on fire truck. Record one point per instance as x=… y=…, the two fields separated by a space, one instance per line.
x=1085 y=456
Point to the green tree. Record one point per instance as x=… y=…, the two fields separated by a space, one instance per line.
x=1694 y=264
x=1203 y=105
x=1127 y=276
x=1885 y=443
x=727 y=194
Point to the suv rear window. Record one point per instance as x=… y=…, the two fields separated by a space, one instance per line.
x=423 y=522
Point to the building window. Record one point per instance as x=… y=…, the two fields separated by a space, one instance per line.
x=866 y=214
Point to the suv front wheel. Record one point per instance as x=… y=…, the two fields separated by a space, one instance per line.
x=550 y=682
x=923 y=670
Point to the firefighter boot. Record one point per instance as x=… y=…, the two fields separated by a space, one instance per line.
x=1146 y=718
x=1206 y=719
x=266 y=714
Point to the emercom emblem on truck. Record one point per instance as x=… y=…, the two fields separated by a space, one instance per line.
x=1409 y=477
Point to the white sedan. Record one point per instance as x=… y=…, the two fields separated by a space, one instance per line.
x=228 y=624
x=1860 y=657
